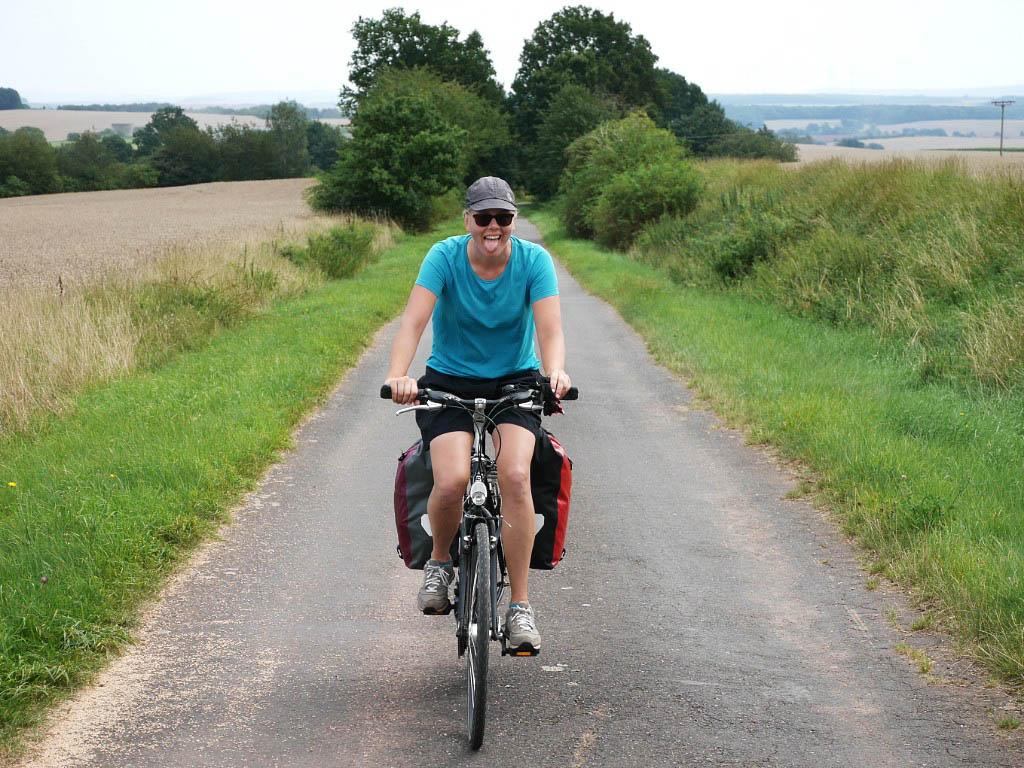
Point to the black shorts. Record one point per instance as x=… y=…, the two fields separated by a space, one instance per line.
x=434 y=423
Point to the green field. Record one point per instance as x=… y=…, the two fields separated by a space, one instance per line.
x=99 y=504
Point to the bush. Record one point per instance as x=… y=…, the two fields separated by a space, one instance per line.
x=339 y=253
x=137 y=176
x=609 y=149
x=641 y=195
x=14 y=187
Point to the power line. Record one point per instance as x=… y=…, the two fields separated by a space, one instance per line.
x=1002 y=117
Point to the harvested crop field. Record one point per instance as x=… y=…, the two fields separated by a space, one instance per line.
x=84 y=237
x=979 y=162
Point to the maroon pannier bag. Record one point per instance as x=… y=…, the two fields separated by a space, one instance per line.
x=550 y=484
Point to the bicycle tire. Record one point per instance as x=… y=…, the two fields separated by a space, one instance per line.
x=478 y=616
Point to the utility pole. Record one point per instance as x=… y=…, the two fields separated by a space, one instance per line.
x=1002 y=116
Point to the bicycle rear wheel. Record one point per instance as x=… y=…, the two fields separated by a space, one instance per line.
x=478 y=618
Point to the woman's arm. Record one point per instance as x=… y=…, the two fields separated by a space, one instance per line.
x=403 y=349
x=547 y=316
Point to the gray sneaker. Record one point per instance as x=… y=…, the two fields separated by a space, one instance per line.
x=521 y=632
x=433 y=595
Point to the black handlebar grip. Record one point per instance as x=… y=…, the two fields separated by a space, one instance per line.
x=571 y=394
x=385 y=392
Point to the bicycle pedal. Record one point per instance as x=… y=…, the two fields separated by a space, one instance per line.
x=432 y=612
x=523 y=650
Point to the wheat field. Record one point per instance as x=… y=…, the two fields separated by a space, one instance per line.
x=84 y=237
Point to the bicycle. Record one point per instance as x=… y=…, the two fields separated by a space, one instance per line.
x=482 y=575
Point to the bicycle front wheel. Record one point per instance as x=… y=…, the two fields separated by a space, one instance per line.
x=478 y=617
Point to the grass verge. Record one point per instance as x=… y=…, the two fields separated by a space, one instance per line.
x=99 y=503
x=925 y=474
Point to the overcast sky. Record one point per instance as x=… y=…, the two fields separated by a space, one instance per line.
x=114 y=50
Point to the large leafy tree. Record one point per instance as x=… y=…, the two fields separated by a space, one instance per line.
x=585 y=47
x=10 y=99
x=573 y=111
x=246 y=153
x=287 y=125
x=681 y=97
x=27 y=157
x=485 y=148
x=324 y=141
x=402 y=155
x=87 y=164
x=398 y=41
x=702 y=126
x=187 y=156
x=149 y=138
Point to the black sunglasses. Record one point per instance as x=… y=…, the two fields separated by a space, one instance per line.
x=484 y=219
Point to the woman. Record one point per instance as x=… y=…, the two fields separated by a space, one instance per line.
x=487 y=292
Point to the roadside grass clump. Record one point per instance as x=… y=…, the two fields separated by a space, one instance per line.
x=100 y=502
x=924 y=253
x=55 y=343
x=339 y=252
x=923 y=472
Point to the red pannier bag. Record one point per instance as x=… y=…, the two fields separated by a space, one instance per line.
x=550 y=484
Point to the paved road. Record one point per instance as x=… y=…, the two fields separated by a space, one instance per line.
x=699 y=618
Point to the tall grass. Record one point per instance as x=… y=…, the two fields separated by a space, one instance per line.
x=926 y=475
x=54 y=344
x=925 y=253
x=98 y=506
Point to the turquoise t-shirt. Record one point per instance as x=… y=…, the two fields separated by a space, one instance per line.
x=483 y=329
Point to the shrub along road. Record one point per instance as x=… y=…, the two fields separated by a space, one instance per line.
x=698 y=618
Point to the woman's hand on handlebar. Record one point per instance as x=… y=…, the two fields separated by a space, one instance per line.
x=403 y=389
x=560 y=382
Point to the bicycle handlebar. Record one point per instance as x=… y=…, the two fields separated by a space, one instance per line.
x=385 y=393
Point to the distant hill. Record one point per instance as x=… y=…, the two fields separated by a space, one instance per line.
x=966 y=98
x=873 y=114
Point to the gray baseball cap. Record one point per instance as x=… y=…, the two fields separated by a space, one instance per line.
x=490 y=192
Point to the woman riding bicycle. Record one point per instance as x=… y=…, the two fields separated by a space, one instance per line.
x=487 y=292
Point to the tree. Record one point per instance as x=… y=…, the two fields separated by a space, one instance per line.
x=397 y=41
x=166 y=118
x=246 y=153
x=323 y=141
x=287 y=125
x=118 y=147
x=150 y=137
x=27 y=156
x=10 y=99
x=486 y=147
x=681 y=97
x=86 y=164
x=573 y=111
x=187 y=156
x=702 y=126
x=588 y=48
x=402 y=155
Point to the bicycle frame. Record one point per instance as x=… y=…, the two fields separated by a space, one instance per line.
x=482 y=501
